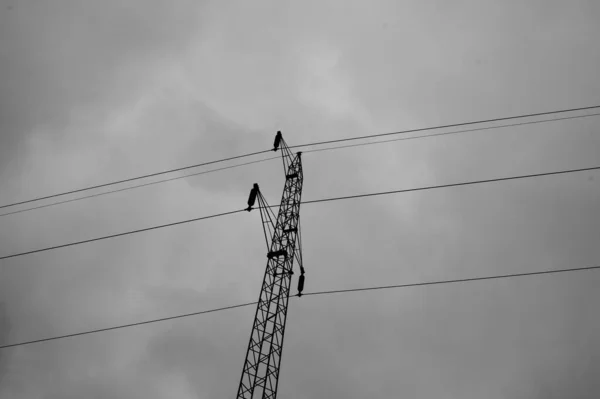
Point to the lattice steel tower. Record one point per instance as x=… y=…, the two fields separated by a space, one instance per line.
x=260 y=374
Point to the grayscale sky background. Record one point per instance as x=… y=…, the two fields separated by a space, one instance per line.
x=93 y=91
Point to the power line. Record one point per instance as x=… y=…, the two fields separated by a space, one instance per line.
x=462 y=280
x=439 y=282
x=305 y=152
x=133 y=178
x=137 y=186
x=299 y=146
x=445 y=126
x=128 y=325
x=311 y=202
x=450 y=133
x=450 y=185
x=121 y=234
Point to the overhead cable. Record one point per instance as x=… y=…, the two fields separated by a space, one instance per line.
x=128 y=325
x=449 y=185
x=311 y=202
x=305 y=152
x=133 y=178
x=137 y=186
x=450 y=133
x=440 y=282
x=300 y=146
x=331 y=292
x=444 y=126
x=121 y=234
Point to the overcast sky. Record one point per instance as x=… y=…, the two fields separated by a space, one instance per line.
x=95 y=91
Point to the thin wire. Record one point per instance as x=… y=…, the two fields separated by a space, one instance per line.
x=311 y=202
x=308 y=151
x=134 y=178
x=449 y=133
x=121 y=234
x=439 y=282
x=138 y=186
x=127 y=325
x=463 y=280
x=305 y=152
x=451 y=185
x=407 y=190
x=299 y=146
x=445 y=126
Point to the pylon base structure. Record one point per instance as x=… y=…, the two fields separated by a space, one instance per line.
x=260 y=375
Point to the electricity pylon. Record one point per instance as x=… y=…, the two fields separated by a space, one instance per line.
x=260 y=375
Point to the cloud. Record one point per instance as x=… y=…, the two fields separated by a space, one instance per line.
x=94 y=92
x=67 y=59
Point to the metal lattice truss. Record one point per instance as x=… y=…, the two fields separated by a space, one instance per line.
x=260 y=374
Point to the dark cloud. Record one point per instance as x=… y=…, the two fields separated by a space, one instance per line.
x=80 y=55
x=100 y=91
